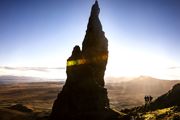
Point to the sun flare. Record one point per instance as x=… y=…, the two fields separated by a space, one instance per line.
x=131 y=63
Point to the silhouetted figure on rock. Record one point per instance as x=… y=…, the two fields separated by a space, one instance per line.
x=148 y=99
x=83 y=96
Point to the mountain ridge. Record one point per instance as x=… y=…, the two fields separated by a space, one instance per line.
x=8 y=79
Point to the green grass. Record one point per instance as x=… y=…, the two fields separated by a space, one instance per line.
x=161 y=114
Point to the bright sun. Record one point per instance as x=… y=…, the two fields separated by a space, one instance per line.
x=130 y=63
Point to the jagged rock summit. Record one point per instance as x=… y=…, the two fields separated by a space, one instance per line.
x=83 y=96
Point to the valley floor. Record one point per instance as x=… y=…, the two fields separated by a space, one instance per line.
x=40 y=96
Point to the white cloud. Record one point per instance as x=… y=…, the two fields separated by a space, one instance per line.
x=42 y=72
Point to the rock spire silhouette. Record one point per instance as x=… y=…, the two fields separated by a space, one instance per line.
x=95 y=45
x=83 y=96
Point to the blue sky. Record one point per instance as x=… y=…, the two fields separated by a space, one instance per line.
x=144 y=36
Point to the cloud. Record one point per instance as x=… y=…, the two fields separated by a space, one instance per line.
x=41 y=69
x=174 y=67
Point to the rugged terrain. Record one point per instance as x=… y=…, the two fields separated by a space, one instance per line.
x=39 y=97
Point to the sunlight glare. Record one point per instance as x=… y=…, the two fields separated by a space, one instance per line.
x=132 y=63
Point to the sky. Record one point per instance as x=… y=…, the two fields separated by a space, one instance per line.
x=37 y=36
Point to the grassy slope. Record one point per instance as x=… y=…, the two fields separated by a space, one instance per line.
x=162 y=114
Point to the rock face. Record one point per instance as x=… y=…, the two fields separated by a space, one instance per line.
x=171 y=98
x=95 y=45
x=83 y=96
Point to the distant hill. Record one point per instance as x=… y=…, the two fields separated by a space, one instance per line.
x=143 y=84
x=130 y=93
x=19 y=79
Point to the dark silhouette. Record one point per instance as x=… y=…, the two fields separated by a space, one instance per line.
x=83 y=96
x=148 y=99
x=171 y=98
x=21 y=108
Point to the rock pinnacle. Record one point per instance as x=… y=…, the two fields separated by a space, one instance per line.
x=83 y=96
